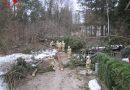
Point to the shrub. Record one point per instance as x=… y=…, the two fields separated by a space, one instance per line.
x=119 y=40
x=115 y=40
x=75 y=43
x=115 y=73
x=75 y=61
x=17 y=72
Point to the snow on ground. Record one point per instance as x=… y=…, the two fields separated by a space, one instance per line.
x=44 y=54
x=9 y=59
x=1 y=73
x=125 y=59
x=27 y=57
x=3 y=85
x=93 y=85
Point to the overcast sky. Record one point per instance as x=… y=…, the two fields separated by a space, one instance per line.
x=76 y=7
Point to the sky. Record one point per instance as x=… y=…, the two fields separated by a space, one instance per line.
x=76 y=7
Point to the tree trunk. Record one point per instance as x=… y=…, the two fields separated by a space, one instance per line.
x=102 y=30
x=95 y=31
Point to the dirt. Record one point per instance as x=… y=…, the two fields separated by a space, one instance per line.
x=55 y=80
x=58 y=80
x=67 y=79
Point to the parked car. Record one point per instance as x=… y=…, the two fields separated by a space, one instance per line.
x=93 y=50
x=117 y=47
x=125 y=53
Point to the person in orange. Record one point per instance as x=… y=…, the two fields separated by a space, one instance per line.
x=69 y=52
x=59 y=58
x=56 y=60
x=51 y=59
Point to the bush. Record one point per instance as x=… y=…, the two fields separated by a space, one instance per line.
x=115 y=73
x=17 y=72
x=75 y=61
x=119 y=40
x=115 y=40
x=75 y=43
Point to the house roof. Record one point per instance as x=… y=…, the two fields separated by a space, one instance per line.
x=128 y=6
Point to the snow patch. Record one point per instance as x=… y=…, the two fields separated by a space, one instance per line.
x=45 y=54
x=13 y=57
x=82 y=72
x=27 y=57
x=1 y=73
x=125 y=59
x=93 y=85
x=3 y=85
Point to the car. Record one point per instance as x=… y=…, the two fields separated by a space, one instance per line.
x=125 y=52
x=117 y=47
x=94 y=50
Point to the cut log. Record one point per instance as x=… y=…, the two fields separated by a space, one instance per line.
x=34 y=73
x=39 y=63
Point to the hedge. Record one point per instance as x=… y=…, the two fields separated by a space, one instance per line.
x=113 y=72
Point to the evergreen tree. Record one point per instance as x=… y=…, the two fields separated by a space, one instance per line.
x=119 y=17
x=122 y=18
x=29 y=11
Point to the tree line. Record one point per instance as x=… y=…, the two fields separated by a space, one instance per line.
x=95 y=14
x=33 y=20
